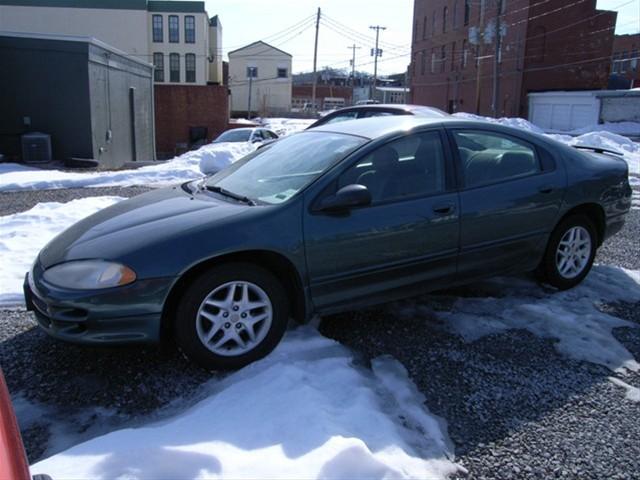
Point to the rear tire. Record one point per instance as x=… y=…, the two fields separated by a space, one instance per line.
x=570 y=253
x=230 y=316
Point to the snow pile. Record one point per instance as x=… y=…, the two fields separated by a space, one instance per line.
x=621 y=128
x=305 y=411
x=23 y=235
x=180 y=169
x=571 y=318
x=285 y=126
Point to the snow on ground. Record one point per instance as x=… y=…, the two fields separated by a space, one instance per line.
x=571 y=318
x=188 y=166
x=285 y=126
x=24 y=234
x=598 y=137
x=305 y=411
x=621 y=128
x=632 y=393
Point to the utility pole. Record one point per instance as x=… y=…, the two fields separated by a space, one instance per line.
x=315 y=63
x=353 y=48
x=496 y=64
x=251 y=71
x=376 y=53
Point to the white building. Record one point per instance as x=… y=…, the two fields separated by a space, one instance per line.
x=264 y=72
x=176 y=36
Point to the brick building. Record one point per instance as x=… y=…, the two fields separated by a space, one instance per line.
x=626 y=58
x=551 y=45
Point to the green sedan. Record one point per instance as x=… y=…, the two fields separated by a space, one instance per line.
x=330 y=219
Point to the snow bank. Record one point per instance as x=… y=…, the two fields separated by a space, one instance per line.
x=598 y=137
x=306 y=411
x=621 y=128
x=285 y=126
x=570 y=318
x=23 y=235
x=186 y=167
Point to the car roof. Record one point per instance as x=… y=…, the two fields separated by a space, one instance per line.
x=393 y=106
x=375 y=127
x=243 y=129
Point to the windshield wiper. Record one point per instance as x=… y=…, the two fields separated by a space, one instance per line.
x=227 y=193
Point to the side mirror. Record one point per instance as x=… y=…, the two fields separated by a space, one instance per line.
x=256 y=140
x=353 y=195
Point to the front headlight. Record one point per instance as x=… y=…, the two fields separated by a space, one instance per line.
x=89 y=275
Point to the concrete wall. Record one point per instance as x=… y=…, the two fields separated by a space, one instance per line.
x=270 y=95
x=620 y=109
x=179 y=107
x=121 y=95
x=55 y=75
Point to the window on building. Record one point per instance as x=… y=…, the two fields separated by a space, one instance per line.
x=158 y=63
x=503 y=7
x=252 y=72
x=190 y=68
x=433 y=24
x=445 y=13
x=625 y=62
x=283 y=73
x=415 y=31
x=174 y=67
x=634 y=60
x=190 y=29
x=423 y=67
x=443 y=58
x=465 y=54
x=174 y=29
x=158 y=34
x=433 y=60
x=467 y=11
x=424 y=27
x=455 y=15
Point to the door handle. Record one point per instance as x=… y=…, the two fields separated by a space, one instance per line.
x=443 y=209
x=545 y=189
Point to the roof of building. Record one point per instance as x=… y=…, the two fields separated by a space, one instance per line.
x=257 y=43
x=150 y=5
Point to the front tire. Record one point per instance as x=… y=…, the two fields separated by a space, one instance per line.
x=570 y=253
x=230 y=316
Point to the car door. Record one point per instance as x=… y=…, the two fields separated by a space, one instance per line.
x=510 y=200
x=406 y=240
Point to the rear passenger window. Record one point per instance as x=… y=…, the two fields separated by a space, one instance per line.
x=490 y=157
x=410 y=167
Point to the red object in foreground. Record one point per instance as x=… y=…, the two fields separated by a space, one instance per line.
x=13 y=460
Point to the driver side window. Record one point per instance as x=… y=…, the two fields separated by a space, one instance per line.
x=410 y=167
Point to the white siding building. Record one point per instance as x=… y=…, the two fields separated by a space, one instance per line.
x=173 y=35
x=267 y=70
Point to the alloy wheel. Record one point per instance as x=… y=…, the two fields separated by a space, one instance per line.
x=573 y=252
x=234 y=318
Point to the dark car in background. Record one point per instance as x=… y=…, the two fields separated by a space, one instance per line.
x=327 y=220
x=359 y=112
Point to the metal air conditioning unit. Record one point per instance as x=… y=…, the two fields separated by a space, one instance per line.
x=36 y=147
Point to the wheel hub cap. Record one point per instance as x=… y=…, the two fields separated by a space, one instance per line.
x=573 y=253
x=234 y=318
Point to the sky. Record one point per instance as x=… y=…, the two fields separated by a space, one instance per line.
x=289 y=25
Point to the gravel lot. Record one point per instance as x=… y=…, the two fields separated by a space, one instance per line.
x=514 y=406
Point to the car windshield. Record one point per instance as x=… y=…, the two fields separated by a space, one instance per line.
x=276 y=173
x=234 y=136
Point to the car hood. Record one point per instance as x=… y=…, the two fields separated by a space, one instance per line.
x=138 y=223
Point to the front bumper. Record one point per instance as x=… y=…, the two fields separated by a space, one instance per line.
x=129 y=314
